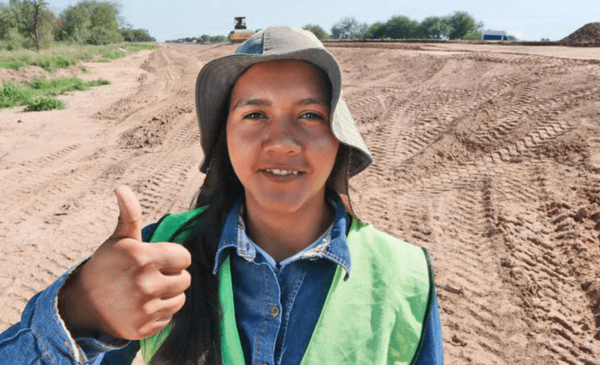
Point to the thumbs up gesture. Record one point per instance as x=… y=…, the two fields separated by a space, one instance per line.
x=128 y=289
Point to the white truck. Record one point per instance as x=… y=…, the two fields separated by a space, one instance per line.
x=496 y=35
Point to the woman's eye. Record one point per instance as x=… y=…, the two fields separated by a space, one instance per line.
x=255 y=115
x=311 y=116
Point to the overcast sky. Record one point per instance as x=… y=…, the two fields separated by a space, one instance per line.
x=527 y=19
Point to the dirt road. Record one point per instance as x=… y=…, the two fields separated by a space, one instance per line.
x=489 y=159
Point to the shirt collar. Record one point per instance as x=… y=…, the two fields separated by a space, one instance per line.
x=332 y=247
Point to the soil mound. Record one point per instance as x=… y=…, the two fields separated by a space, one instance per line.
x=588 y=35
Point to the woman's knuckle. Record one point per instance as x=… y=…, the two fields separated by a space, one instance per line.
x=144 y=286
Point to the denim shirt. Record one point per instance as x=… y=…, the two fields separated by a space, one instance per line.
x=277 y=306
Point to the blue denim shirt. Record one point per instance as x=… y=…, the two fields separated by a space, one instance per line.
x=277 y=306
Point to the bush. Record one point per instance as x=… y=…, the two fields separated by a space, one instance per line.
x=136 y=35
x=13 y=65
x=113 y=55
x=38 y=93
x=44 y=103
x=11 y=96
x=98 y=82
x=62 y=55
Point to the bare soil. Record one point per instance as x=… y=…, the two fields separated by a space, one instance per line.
x=489 y=158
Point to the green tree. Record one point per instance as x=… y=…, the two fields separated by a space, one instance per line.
x=376 y=30
x=92 y=22
x=7 y=21
x=401 y=27
x=461 y=24
x=349 y=28
x=476 y=35
x=104 y=23
x=435 y=27
x=30 y=18
x=317 y=31
x=136 y=35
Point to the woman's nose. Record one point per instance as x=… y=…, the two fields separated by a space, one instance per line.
x=282 y=137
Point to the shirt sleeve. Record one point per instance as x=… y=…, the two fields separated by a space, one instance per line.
x=432 y=352
x=41 y=337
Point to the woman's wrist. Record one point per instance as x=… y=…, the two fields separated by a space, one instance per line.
x=72 y=308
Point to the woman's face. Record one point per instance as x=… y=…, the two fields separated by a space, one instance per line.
x=278 y=135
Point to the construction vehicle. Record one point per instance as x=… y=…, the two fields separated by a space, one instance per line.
x=240 y=32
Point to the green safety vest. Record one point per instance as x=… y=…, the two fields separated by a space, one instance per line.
x=377 y=316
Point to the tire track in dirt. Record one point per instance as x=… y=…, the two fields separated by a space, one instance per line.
x=66 y=195
x=453 y=161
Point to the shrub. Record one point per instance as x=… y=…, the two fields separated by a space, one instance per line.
x=44 y=103
x=11 y=96
x=98 y=82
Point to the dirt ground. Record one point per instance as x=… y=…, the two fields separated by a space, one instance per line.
x=487 y=156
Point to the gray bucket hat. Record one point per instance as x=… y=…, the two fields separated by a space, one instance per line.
x=217 y=78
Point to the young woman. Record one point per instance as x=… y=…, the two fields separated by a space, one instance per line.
x=273 y=266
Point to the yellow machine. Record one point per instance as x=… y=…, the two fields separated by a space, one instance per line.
x=240 y=32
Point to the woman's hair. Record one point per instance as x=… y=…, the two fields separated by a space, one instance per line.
x=195 y=337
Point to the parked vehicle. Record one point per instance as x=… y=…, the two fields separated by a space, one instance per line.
x=497 y=35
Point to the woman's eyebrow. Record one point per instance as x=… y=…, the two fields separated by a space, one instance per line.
x=245 y=102
x=310 y=101
x=261 y=102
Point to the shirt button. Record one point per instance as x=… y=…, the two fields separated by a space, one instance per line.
x=275 y=311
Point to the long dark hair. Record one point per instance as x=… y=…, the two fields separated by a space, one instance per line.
x=195 y=337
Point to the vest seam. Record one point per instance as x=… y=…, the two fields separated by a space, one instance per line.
x=428 y=308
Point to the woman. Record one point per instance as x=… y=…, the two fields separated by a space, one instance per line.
x=273 y=266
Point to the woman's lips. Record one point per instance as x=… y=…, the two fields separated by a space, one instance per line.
x=281 y=175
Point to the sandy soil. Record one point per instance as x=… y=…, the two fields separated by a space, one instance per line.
x=489 y=158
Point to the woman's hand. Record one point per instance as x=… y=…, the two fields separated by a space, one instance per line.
x=128 y=289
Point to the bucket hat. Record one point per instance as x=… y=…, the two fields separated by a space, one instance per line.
x=217 y=78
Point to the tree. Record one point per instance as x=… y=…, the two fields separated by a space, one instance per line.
x=401 y=27
x=93 y=22
x=376 y=31
x=7 y=22
x=136 y=35
x=218 y=38
x=461 y=24
x=30 y=18
x=317 y=30
x=349 y=28
x=435 y=27
x=475 y=35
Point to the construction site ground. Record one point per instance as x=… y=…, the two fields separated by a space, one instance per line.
x=487 y=155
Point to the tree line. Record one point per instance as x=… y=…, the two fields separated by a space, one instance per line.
x=205 y=38
x=458 y=25
x=31 y=24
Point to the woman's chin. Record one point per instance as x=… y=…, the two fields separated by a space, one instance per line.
x=280 y=203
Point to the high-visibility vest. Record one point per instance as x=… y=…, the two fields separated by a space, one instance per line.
x=377 y=316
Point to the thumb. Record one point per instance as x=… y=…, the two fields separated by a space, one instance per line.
x=130 y=214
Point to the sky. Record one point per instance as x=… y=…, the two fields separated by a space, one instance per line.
x=526 y=19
